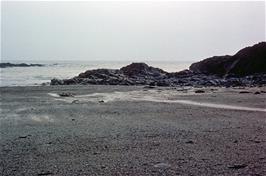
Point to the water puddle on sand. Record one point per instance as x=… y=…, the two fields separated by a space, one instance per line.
x=41 y=118
x=152 y=96
x=53 y=94
x=220 y=106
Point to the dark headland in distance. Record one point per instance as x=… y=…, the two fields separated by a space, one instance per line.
x=246 y=68
x=7 y=64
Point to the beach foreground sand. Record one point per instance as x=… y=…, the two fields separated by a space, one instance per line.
x=127 y=130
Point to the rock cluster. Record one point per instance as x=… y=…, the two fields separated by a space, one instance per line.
x=245 y=68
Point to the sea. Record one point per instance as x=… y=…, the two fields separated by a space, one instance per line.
x=34 y=76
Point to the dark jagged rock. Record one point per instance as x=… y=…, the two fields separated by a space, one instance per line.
x=57 y=82
x=244 y=92
x=5 y=65
x=238 y=166
x=199 y=91
x=66 y=94
x=247 y=61
x=163 y=83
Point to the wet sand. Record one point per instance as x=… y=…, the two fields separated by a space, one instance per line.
x=128 y=130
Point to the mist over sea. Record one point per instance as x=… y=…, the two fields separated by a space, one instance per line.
x=30 y=76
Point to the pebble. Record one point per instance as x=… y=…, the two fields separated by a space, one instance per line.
x=199 y=91
x=238 y=166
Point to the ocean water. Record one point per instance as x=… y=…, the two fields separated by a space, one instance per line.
x=30 y=76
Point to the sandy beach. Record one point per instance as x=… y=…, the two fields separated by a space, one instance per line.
x=132 y=130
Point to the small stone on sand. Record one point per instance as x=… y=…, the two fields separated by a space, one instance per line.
x=199 y=91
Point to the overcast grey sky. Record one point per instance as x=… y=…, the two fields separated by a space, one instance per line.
x=128 y=30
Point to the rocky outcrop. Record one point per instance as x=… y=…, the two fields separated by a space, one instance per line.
x=133 y=74
x=142 y=74
x=246 y=68
x=7 y=64
x=248 y=61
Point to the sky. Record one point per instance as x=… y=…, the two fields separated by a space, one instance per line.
x=128 y=31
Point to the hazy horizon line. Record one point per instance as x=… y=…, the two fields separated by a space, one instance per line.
x=98 y=60
x=125 y=60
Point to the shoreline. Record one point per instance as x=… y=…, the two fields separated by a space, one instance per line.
x=141 y=86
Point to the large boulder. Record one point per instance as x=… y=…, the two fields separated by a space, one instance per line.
x=217 y=65
x=141 y=70
x=248 y=61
